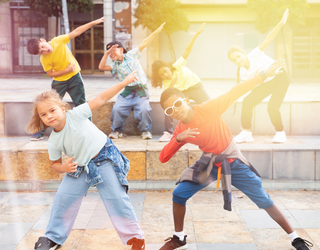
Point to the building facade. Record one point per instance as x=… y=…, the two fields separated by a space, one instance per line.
x=228 y=22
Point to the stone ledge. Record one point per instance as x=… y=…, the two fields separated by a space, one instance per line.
x=286 y=185
x=299 y=158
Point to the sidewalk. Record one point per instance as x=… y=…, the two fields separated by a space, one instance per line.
x=25 y=89
x=24 y=217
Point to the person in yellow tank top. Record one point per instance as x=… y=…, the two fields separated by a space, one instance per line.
x=59 y=63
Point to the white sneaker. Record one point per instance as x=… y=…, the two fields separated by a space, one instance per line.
x=280 y=137
x=146 y=135
x=166 y=136
x=244 y=136
x=115 y=135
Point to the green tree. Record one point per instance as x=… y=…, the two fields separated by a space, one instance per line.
x=54 y=7
x=269 y=13
x=152 y=13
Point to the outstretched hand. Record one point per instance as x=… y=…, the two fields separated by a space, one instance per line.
x=200 y=29
x=272 y=70
x=131 y=77
x=189 y=133
x=100 y=20
x=285 y=16
x=161 y=27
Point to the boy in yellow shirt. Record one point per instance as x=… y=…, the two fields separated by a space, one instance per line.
x=59 y=63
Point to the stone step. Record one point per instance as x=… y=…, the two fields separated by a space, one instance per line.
x=299 y=118
x=25 y=164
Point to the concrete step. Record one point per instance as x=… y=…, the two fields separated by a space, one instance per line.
x=299 y=118
x=299 y=111
x=25 y=164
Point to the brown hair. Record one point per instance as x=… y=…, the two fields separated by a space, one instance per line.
x=35 y=124
x=230 y=51
x=156 y=80
x=33 y=46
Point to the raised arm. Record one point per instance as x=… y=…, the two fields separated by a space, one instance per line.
x=149 y=39
x=223 y=102
x=106 y=95
x=78 y=31
x=102 y=64
x=273 y=33
x=190 y=45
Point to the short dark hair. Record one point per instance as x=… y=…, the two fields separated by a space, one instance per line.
x=109 y=45
x=33 y=46
x=170 y=92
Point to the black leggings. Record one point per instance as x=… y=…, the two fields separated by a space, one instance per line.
x=277 y=88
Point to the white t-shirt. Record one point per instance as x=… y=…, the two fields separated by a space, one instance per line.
x=259 y=61
x=79 y=137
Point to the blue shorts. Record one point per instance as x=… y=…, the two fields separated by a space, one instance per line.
x=241 y=177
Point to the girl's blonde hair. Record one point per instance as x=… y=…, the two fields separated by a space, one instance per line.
x=230 y=51
x=35 y=124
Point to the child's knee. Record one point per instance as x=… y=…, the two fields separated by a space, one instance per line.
x=179 y=198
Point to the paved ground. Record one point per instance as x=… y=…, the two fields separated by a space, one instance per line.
x=24 y=216
x=24 y=89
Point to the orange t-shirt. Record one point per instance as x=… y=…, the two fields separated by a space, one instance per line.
x=215 y=135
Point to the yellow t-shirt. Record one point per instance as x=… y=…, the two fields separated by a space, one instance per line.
x=186 y=78
x=59 y=58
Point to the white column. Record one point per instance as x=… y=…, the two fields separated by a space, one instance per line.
x=107 y=12
x=5 y=39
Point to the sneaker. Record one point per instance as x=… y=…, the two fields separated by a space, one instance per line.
x=175 y=243
x=137 y=244
x=301 y=244
x=115 y=135
x=244 y=136
x=146 y=135
x=166 y=136
x=280 y=137
x=44 y=243
x=36 y=137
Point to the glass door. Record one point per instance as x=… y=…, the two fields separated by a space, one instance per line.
x=88 y=47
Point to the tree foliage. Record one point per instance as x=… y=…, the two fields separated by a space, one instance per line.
x=269 y=12
x=4 y=1
x=54 y=7
x=152 y=13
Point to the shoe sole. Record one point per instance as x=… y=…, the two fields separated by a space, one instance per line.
x=164 y=140
x=182 y=247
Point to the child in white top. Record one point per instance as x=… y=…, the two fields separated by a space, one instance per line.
x=248 y=66
x=177 y=75
x=94 y=161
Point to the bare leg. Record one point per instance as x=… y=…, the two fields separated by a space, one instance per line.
x=279 y=217
x=179 y=212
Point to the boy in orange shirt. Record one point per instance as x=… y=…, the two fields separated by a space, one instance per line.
x=203 y=125
x=59 y=63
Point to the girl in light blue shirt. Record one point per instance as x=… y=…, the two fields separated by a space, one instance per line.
x=94 y=161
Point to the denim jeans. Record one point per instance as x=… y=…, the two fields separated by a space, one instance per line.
x=69 y=197
x=242 y=177
x=123 y=107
